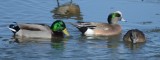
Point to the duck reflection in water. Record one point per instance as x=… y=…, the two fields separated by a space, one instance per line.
x=58 y=42
x=134 y=46
x=67 y=11
x=109 y=41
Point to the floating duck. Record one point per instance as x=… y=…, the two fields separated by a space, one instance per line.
x=102 y=29
x=30 y=30
x=134 y=36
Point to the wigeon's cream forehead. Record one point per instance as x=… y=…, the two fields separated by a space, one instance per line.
x=122 y=19
x=118 y=12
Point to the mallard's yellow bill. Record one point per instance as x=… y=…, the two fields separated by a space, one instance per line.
x=66 y=32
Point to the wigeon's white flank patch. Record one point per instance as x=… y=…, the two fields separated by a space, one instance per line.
x=89 y=32
x=123 y=20
x=118 y=12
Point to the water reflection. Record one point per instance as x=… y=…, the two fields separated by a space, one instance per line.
x=59 y=43
x=56 y=42
x=29 y=40
x=156 y=29
x=67 y=11
x=151 y=1
x=146 y=22
x=102 y=41
x=6 y=43
x=113 y=41
x=133 y=46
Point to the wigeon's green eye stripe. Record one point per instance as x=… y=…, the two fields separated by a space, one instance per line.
x=113 y=15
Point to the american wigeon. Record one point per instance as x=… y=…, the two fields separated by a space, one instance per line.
x=134 y=36
x=30 y=30
x=102 y=29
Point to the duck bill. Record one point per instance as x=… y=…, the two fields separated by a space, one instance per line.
x=123 y=20
x=66 y=32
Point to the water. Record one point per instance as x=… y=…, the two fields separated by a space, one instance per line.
x=141 y=14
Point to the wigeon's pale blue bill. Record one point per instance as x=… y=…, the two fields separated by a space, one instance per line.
x=123 y=20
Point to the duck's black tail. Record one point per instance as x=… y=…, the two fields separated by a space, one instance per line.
x=14 y=27
x=83 y=26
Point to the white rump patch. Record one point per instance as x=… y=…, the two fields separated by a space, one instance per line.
x=89 y=32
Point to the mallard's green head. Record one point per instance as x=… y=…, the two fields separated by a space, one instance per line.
x=59 y=26
x=114 y=17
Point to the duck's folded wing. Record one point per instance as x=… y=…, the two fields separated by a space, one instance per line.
x=83 y=24
x=34 y=27
x=100 y=24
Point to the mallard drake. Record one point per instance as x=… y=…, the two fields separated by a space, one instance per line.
x=31 y=30
x=102 y=29
x=134 y=36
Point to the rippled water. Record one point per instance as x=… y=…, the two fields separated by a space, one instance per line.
x=141 y=14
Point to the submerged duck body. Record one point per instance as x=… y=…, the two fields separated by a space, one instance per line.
x=134 y=36
x=30 y=30
x=102 y=29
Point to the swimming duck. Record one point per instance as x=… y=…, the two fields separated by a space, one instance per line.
x=134 y=36
x=68 y=10
x=30 y=30
x=102 y=29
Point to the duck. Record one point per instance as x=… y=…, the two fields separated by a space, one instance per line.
x=102 y=29
x=68 y=10
x=35 y=30
x=134 y=36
